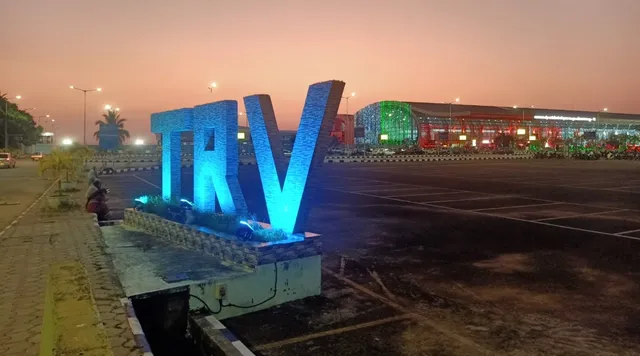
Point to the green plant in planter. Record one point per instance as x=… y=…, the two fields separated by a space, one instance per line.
x=81 y=154
x=60 y=164
x=61 y=205
x=223 y=223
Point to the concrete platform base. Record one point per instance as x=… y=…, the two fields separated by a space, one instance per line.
x=147 y=266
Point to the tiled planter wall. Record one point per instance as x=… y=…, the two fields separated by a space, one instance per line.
x=244 y=254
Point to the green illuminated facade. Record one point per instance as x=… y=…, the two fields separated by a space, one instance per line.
x=392 y=121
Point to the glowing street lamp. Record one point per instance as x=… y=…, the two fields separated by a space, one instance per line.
x=212 y=86
x=85 y=91
x=107 y=107
x=41 y=116
x=353 y=94
x=139 y=142
x=67 y=141
x=6 y=119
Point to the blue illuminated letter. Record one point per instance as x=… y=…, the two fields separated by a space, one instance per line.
x=285 y=194
x=215 y=158
x=170 y=124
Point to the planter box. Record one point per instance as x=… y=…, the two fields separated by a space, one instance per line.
x=224 y=246
x=66 y=186
x=55 y=201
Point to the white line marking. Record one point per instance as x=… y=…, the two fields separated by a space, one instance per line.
x=215 y=323
x=30 y=206
x=386 y=190
x=518 y=206
x=580 y=215
x=513 y=182
x=488 y=214
x=625 y=189
x=427 y=194
x=146 y=181
x=471 y=191
x=468 y=199
x=244 y=351
x=135 y=326
x=627 y=232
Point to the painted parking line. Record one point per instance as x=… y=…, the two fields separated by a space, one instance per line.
x=421 y=317
x=427 y=194
x=481 y=213
x=581 y=215
x=627 y=188
x=475 y=192
x=146 y=181
x=518 y=182
x=399 y=189
x=628 y=232
x=469 y=199
x=518 y=206
x=299 y=339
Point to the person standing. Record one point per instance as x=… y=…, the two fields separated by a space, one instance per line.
x=93 y=175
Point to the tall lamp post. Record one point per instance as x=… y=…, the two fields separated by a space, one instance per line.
x=451 y=123
x=85 y=91
x=212 y=86
x=6 y=120
x=53 y=130
x=353 y=94
x=347 y=99
x=41 y=116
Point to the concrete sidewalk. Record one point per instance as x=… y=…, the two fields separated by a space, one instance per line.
x=59 y=292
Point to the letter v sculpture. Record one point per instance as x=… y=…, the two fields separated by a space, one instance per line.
x=287 y=194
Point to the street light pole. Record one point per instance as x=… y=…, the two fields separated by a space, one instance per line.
x=347 y=99
x=6 y=120
x=450 y=124
x=353 y=94
x=84 y=115
x=41 y=116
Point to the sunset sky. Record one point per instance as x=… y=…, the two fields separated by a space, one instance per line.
x=156 y=55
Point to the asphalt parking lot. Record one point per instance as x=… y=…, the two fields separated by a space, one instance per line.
x=532 y=257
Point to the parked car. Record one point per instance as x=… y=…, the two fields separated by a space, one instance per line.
x=6 y=160
x=36 y=156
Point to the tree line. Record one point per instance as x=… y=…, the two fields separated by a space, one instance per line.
x=21 y=127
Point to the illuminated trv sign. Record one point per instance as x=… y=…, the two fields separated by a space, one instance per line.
x=563 y=118
x=215 y=151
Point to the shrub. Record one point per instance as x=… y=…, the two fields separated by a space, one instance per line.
x=224 y=223
x=58 y=163
x=63 y=206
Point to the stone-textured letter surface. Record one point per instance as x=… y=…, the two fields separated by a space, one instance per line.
x=170 y=124
x=216 y=166
x=287 y=196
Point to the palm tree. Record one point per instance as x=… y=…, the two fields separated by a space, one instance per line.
x=58 y=162
x=112 y=118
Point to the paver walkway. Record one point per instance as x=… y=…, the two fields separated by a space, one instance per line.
x=29 y=251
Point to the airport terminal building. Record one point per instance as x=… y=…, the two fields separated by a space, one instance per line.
x=441 y=124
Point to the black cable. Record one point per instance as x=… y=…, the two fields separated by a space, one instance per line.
x=275 y=291
x=206 y=305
